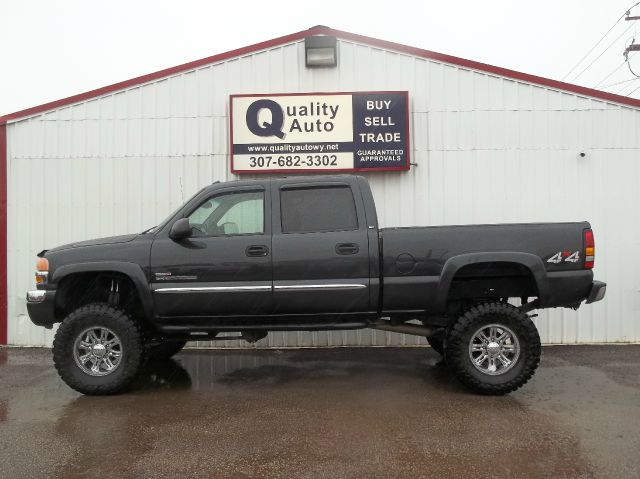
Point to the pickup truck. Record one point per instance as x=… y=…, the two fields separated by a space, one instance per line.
x=302 y=254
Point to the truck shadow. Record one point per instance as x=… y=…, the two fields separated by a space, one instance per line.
x=162 y=375
x=212 y=369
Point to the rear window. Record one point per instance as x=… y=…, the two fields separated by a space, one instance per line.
x=317 y=209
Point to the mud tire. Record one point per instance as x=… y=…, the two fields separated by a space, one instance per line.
x=460 y=335
x=96 y=315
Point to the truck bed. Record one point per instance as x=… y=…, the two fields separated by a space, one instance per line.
x=419 y=262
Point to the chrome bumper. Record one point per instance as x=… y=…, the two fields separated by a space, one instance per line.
x=598 y=290
x=41 y=307
x=37 y=296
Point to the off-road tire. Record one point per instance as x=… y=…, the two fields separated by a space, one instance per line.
x=165 y=350
x=460 y=334
x=436 y=341
x=95 y=315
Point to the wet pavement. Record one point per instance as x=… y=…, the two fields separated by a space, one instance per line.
x=370 y=412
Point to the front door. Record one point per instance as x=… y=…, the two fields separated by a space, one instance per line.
x=224 y=268
x=320 y=250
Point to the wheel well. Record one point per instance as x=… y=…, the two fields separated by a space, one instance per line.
x=491 y=281
x=111 y=287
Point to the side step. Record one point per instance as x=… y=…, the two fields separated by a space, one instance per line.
x=414 y=329
x=255 y=332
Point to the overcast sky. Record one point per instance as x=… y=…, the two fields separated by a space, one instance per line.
x=52 y=49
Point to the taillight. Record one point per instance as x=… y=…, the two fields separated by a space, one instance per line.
x=589 y=249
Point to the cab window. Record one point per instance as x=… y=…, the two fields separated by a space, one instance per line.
x=230 y=213
x=317 y=209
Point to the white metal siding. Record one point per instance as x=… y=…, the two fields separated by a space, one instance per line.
x=488 y=150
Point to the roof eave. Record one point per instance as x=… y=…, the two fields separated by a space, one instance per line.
x=322 y=30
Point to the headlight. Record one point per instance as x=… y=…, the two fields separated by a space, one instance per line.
x=42 y=270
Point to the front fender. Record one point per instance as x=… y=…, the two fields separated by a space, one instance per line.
x=131 y=270
x=453 y=264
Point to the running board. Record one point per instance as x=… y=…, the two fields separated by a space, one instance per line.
x=209 y=333
x=413 y=329
x=194 y=330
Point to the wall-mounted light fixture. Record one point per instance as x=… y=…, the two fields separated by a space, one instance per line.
x=321 y=51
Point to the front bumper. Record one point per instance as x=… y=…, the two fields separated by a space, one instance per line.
x=41 y=307
x=598 y=290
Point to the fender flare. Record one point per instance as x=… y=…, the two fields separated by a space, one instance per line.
x=455 y=263
x=132 y=270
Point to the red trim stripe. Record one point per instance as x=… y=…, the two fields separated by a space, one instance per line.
x=462 y=62
x=484 y=67
x=158 y=75
x=4 y=320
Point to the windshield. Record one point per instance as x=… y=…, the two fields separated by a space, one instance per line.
x=155 y=229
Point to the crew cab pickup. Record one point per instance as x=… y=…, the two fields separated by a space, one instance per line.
x=274 y=254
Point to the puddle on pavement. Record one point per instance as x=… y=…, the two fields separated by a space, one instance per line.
x=358 y=413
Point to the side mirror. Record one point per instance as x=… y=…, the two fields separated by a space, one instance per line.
x=181 y=229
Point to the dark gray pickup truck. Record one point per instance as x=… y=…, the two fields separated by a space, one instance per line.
x=249 y=257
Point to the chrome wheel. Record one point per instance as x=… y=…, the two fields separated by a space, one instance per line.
x=494 y=349
x=97 y=351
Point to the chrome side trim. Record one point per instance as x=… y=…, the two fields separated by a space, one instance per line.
x=213 y=289
x=231 y=289
x=36 y=296
x=303 y=287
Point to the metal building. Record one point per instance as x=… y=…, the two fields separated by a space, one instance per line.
x=487 y=144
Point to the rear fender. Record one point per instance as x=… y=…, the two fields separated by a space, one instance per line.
x=454 y=264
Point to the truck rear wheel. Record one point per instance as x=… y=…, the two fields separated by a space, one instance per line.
x=98 y=349
x=493 y=348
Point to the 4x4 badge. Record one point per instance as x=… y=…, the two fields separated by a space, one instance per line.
x=566 y=256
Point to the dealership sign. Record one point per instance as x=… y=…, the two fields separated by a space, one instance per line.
x=363 y=131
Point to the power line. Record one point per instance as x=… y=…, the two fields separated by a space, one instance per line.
x=623 y=87
x=631 y=69
x=611 y=74
x=629 y=92
x=602 y=53
x=600 y=41
x=618 y=83
x=633 y=47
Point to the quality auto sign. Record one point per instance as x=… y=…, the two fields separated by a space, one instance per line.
x=357 y=131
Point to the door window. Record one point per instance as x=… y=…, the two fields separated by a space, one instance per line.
x=229 y=214
x=318 y=209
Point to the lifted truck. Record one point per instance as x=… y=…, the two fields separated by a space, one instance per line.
x=304 y=254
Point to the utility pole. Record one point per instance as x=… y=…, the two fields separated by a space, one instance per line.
x=633 y=47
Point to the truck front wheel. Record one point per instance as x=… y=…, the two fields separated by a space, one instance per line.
x=98 y=349
x=493 y=348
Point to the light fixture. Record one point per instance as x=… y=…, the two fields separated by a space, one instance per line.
x=321 y=51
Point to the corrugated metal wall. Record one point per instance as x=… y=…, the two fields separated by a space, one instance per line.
x=487 y=149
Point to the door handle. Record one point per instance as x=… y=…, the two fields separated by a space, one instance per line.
x=257 y=250
x=347 y=248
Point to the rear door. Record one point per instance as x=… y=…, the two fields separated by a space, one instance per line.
x=320 y=249
x=224 y=268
